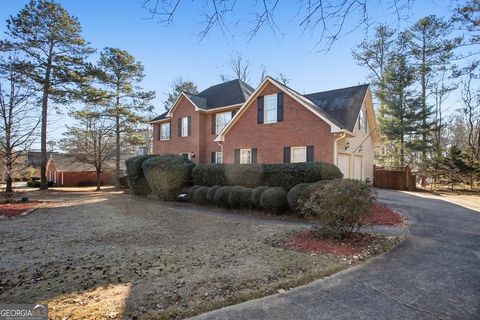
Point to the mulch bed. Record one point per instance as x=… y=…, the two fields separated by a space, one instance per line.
x=17 y=208
x=306 y=241
x=383 y=216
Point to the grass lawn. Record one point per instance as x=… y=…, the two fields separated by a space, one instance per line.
x=111 y=255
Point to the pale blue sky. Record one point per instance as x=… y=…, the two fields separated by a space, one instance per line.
x=168 y=52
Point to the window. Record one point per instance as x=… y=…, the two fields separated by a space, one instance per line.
x=218 y=157
x=165 y=131
x=298 y=154
x=245 y=155
x=221 y=120
x=362 y=120
x=270 y=109
x=184 y=130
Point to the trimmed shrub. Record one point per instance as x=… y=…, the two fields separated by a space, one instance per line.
x=167 y=174
x=88 y=183
x=200 y=195
x=211 y=193
x=239 y=197
x=301 y=193
x=135 y=178
x=274 y=175
x=256 y=194
x=36 y=184
x=274 y=200
x=190 y=191
x=124 y=182
x=221 y=196
x=340 y=206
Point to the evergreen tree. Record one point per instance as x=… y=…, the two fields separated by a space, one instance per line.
x=120 y=74
x=178 y=86
x=50 y=39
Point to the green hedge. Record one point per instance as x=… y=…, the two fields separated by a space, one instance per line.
x=274 y=200
x=239 y=197
x=135 y=178
x=221 y=196
x=211 y=193
x=36 y=184
x=256 y=194
x=167 y=174
x=301 y=192
x=200 y=195
x=274 y=175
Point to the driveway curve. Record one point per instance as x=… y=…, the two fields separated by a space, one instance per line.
x=433 y=274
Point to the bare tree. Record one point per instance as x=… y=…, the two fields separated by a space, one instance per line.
x=239 y=69
x=19 y=119
x=325 y=18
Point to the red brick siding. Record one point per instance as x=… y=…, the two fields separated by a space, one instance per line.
x=71 y=179
x=300 y=128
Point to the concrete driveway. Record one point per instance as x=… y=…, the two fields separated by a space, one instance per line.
x=433 y=274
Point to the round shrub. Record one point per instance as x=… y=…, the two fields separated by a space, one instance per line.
x=256 y=194
x=135 y=178
x=221 y=196
x=274 y=200
x=239 y=197
x=340 y=206
x=167 y=174
x=190 y=191
x=200 y=195
x=211 y=193
x=301 y=192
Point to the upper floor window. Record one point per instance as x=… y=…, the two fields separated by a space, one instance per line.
x=165 y=131
x=298 y=154
x=270 y=109
x=245 y=155
x=184 y=127
x=221 y=120
x=362 y=120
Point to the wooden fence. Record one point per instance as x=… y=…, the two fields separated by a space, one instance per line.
x=394 y=178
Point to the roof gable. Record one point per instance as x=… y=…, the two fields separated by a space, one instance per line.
x=226 y=94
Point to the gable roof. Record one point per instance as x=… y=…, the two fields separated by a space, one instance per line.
x=225 y=94
x=70 y=163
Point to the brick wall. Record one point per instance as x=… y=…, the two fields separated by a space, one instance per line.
x=71 y=179
x=300 y=128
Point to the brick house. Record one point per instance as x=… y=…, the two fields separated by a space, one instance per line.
x=65 y=170
x=234 y=123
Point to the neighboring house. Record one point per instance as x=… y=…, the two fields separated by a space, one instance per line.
x=34 y=160
x=232 y=123
x=65 y=170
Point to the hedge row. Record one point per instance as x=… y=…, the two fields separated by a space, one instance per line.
x=273 y=175
x=136 y=179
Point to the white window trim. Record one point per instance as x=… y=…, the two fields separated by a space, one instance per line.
x=184 y=129
x=218 y=156
x=304 y=148
x=242 y=151
x=162 y=137
x=189 y=155
x=217 y=129
x=265 y=108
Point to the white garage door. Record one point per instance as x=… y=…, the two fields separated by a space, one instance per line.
x=357 y=167
x=343 y=163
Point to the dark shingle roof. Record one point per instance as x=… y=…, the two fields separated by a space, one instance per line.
x=160 y=117
x=343 y=104
x=69 y=162
x=226 y=94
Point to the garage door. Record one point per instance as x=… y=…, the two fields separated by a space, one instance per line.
x=358 y=167
x=343 y=163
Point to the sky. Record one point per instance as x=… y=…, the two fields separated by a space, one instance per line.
x=169 y=52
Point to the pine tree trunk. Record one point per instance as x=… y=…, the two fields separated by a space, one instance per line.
x=43 y=138
x=117 y=153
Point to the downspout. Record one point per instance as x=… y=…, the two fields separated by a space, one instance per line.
x=335 y=147
x=221 y=149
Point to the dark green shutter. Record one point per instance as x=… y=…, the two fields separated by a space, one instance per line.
x=189 y=125
x=214 y=123
x=309 y=153
x=237 y=155
x=159 y=129
x=254 y=155
x=214 y=158
x=286 y=155
x=170 y=130
x=179 y=127
x=280 y=106
x=260 y=110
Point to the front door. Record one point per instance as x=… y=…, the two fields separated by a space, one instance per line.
x=358 y=167
x=343 y=163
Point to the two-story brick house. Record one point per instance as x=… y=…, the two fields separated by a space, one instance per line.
x=234 y=123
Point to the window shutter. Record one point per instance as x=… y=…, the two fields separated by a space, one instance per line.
x=237 y=155
x=159 y=129
x=286 y=155
x=179 y=127
x=214 y=123
x=280 y=106
x=254 y=155
x=189 y=121
x=170 y=130
x=309 y=153
x=214 y=158
x=260 y=110
x=234 y=112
